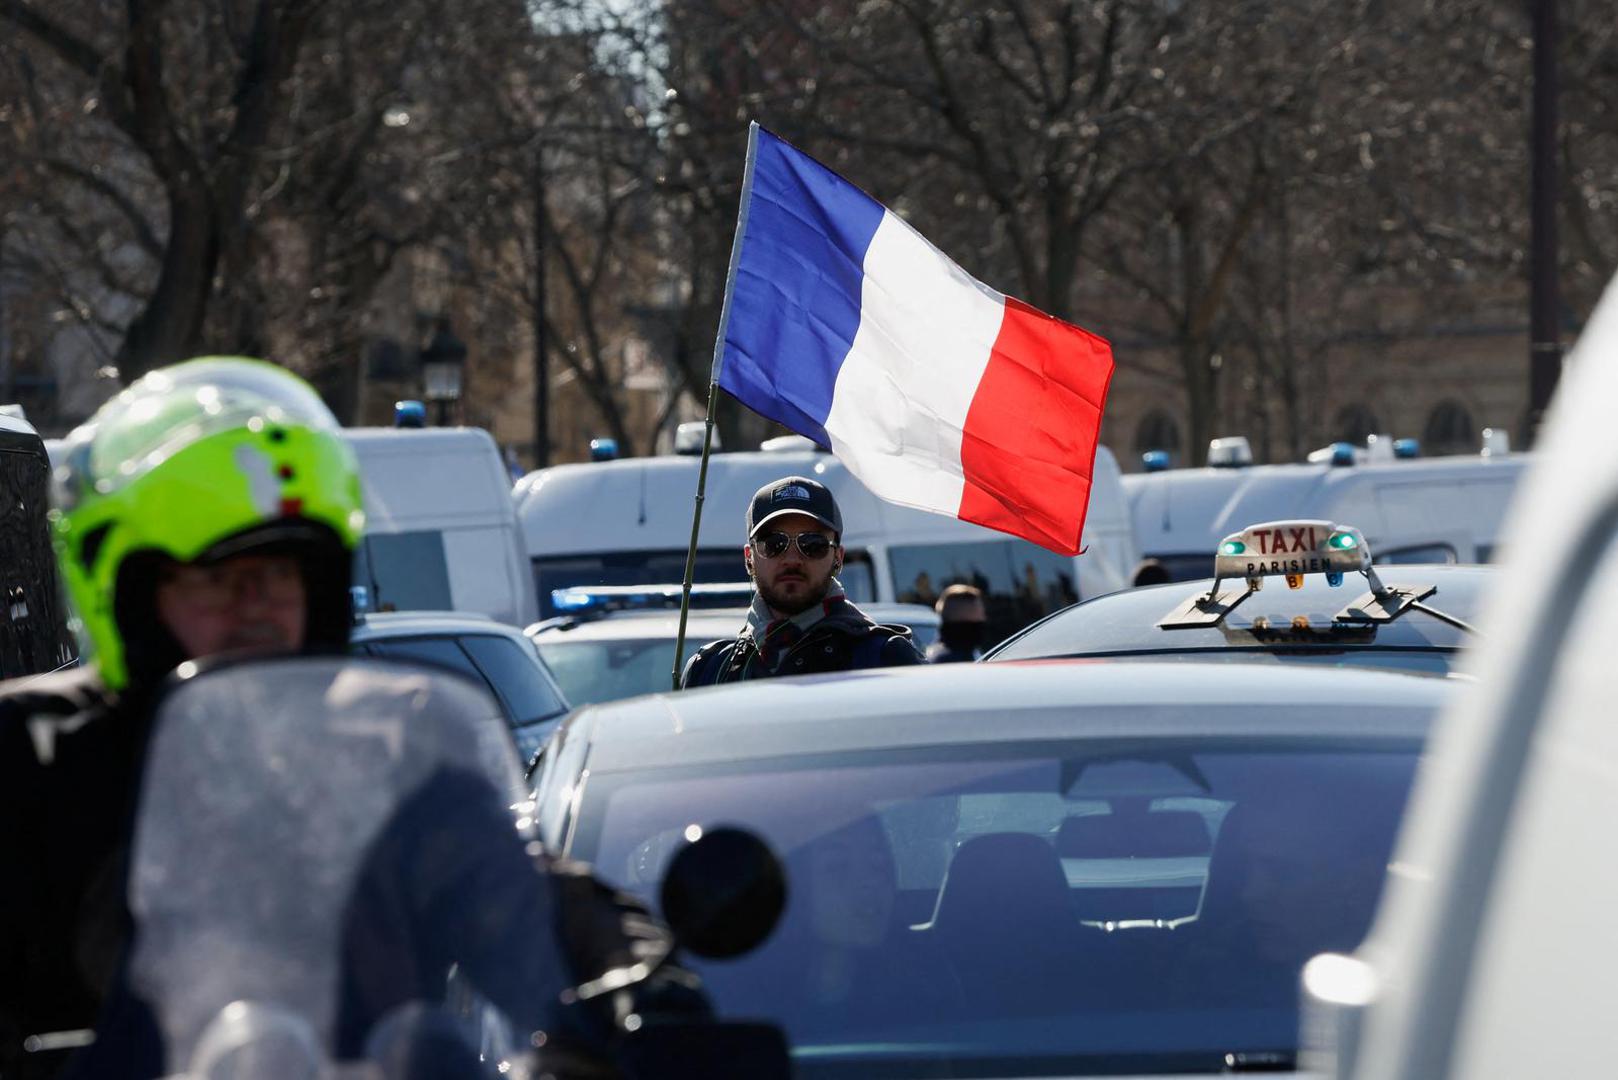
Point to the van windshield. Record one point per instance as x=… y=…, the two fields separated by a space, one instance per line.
x=1021 y=582
x=405 y=571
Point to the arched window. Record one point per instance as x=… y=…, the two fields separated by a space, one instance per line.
x=1449 y=430
x=1158 y=431
x=1354 y=423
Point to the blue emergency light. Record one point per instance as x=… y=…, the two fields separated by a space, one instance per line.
x=409 y=414
x=579 y=599
x=603 y=449
x=573 y=599
x=1155 y=460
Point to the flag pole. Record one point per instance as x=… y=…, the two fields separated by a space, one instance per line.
x=713 y=399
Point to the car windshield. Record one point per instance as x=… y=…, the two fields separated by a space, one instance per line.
x=594 y=670
x=1029 y=909
x=1277 y=623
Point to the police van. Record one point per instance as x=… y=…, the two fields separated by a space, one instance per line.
x=628 y=522
x=440 y=530
x=1418 y=510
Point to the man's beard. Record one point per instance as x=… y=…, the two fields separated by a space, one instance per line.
x=812 y=594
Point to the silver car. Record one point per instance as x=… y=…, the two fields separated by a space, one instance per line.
x=604 y=656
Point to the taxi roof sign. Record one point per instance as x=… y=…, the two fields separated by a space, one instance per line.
x=1293 y=549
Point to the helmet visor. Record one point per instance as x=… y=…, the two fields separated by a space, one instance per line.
x=166 y=411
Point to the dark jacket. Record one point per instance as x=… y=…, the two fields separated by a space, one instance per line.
x=70 y=757
x=940 y=653
x=844 y=640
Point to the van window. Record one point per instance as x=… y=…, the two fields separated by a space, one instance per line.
x=631 y=568
x=1021 y=582
x=858 y=577
x=405 y=571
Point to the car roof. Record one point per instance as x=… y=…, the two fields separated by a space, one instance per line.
x=381 y=624
x=1126 y=622
x=702 y=624
x=896 y=708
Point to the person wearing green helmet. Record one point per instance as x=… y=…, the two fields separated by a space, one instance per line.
x=210 y=508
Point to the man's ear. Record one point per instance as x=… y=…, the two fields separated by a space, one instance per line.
x=837 y=560
x=747 y=557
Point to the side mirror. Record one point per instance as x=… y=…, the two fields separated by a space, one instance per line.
x=723 y=893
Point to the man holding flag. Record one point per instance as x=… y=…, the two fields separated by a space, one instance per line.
x=800 y=622
x=844 y=324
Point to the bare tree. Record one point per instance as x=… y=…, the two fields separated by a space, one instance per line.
x=268 y=158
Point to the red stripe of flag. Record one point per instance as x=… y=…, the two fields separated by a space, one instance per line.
x=1029 y=446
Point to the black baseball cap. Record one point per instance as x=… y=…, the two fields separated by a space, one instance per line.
x=793 y=495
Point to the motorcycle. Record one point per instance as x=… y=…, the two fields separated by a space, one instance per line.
x=332 y=875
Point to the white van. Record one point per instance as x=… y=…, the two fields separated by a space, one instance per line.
x=440 y=530
x=1422 y=510
x=1494 y=951
x=629 y=523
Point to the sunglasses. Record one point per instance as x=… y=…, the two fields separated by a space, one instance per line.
x=813 y=545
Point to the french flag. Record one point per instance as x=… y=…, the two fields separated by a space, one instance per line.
x=844 y=324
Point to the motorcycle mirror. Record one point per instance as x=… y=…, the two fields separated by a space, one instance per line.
x=723 y=893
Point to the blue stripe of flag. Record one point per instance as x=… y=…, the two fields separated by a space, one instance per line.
x=794 y=304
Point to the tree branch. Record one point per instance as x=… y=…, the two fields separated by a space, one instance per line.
x=145 y=235
x=71 y=48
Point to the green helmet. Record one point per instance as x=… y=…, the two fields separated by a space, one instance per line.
x=198 y=461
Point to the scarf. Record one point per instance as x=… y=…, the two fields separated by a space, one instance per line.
x=775 y=637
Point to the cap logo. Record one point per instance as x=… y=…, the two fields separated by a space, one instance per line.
x=789 y=493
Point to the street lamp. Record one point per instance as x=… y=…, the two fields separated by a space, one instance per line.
x=443 y=367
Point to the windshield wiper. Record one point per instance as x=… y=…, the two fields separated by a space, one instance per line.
x=1459 y=624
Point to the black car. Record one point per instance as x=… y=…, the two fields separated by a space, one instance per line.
x=1422 y=621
